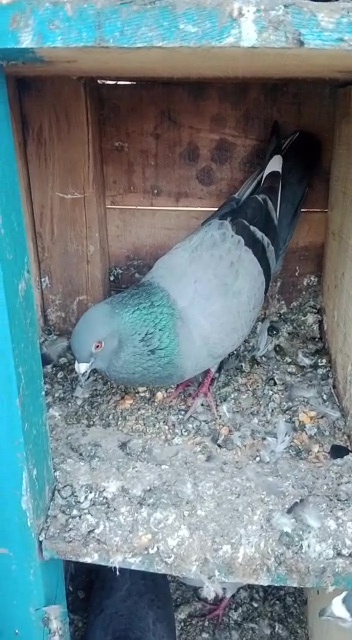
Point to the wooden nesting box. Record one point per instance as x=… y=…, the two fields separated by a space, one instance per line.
x=130 y=125
x=139 y=166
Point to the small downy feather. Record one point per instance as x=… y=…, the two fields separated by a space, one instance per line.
x=263 y=342
x=276 y=446
x=306 y=512
x=283 y=522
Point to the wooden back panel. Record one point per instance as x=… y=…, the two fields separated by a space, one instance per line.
x=174 y=152
x=121 y=172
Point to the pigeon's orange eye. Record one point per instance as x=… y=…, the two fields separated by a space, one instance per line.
x=97 y=346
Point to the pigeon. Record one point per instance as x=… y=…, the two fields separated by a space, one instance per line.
x=339 y=611
x=200 y=300
x=225 y=589
x=130 y=605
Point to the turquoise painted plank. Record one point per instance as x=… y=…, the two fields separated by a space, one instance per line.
x=28 y=25
x=28 y=584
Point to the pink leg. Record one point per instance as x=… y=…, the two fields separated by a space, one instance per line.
x=179 y=389
x=216 y=611
x=203 y=391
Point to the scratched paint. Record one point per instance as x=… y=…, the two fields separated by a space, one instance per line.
x=27 y=584
x=26 y=503
x=54 y=621
x=29 y=26
x=248 y=27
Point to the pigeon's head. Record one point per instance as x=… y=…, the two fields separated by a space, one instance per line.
x=94 y=339
x=340 y=610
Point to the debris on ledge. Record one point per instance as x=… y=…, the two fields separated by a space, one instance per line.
x=252 y=497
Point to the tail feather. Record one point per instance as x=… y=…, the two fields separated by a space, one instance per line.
x=300 y=162
x=253 y=183
x=250 y=186
x=272 y=175
x=265 y=211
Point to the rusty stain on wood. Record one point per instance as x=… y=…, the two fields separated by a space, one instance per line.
x=63 y=149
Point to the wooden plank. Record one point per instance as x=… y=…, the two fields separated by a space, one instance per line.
x=147 y=234
x=319 y=629
x=338 y=261
x=28 y=585
x=208 y=137
x=186 y=63
x=22 y=164
x=26 y=26
x=63 y=150
x=144 y=235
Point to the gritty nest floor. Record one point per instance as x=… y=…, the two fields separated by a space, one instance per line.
x=255 y=613
x=252 y=496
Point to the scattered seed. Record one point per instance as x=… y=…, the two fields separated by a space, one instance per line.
x=159 y=396
x=125 y=402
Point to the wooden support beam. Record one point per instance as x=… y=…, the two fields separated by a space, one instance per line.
x=186 y=62
x=177 y=39
x=22 y=164
x=66 y=175
x=338 y=257
x=29 y=587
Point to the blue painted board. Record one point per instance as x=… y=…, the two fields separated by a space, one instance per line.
x=28 y=584
x=28 y=27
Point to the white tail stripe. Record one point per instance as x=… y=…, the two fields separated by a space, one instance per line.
x=338 y=608
x=275 y=164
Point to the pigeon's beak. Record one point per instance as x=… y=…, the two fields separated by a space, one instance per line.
x=83 y=368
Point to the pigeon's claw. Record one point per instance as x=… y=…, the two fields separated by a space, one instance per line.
x=203 y=391
x=217 y=611
x=179 y=389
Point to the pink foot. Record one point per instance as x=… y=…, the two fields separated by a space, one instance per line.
x=216 y=611
x=203 y=391
x=179 y=389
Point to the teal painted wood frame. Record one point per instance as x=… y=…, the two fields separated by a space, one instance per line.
x=27 y=26
x=29 y=586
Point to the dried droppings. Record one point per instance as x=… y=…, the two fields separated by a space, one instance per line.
x=203 y=492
